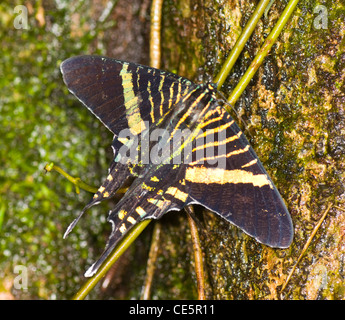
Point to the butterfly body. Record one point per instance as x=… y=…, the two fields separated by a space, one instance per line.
x=181 y=147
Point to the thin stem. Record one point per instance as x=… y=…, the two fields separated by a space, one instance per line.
x=155 y=33
x=198 y=260
x=307 y=244
x=240 y=43
x=259 y=58
x=151 y=263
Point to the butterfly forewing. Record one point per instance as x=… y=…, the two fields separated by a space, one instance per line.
x=222 y=172
x=121 y=94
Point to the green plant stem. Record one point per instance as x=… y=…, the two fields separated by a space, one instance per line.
x=155 y=33
x=198 y=258
x=240 y=43
x=119 y=250
x=152 y=261
x=259 y=58
x=306 y=246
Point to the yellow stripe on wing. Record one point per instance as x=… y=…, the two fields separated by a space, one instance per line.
x=131 y=101
x=221 y=176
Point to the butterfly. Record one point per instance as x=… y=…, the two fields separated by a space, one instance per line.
x=179 y=145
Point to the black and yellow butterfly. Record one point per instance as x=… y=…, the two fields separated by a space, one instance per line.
x=179 y=144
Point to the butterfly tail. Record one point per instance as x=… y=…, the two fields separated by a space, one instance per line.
x=118 y=174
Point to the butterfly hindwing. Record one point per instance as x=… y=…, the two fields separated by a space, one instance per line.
x=149 y=197
x=236 y=186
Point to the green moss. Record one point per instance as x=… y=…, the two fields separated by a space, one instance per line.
x=41 y=122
